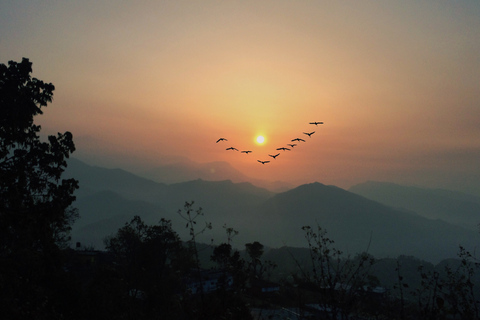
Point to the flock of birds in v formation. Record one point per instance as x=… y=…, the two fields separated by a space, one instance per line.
x=274 y=156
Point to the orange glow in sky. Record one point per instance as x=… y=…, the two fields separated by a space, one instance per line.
x=137 y=84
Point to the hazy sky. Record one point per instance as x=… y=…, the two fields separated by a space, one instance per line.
x=397 y=84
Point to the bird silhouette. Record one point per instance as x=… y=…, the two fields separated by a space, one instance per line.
x=309 y=133
x=221 y=139
x=274 y=156
x=232 y=148
x=263 y=162
x=298 y=139
x=292 y=145
x=316 y=123
x=283 y=148
x=246 y=151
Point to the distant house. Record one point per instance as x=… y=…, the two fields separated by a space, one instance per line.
x=208 y=281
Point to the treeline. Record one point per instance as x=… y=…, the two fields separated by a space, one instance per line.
x=153 y=260
x=148 y=272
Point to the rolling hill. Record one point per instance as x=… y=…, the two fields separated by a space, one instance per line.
x=451 y=206
x=357 y=224
x=109 y=198
x=187 y=170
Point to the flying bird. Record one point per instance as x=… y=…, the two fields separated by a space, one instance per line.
x=292 y=145
x=309 y=133
x=274 y=156
x=283 y=148
x=232 y=148
x=263 y=162
x=298 y=139
x=246 y=151
x=316 y=122
x=221 y=139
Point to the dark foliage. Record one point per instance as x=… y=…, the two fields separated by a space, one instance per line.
x=35 y=213
x=150 y=261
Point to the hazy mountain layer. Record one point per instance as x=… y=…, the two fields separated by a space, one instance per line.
x=109 y=194
x=109 y=198
x=187 y=170
x=451 y=206
x=93 y=179
x=357 y=224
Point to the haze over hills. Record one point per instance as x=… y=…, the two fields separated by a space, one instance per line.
x=451 y=206
x=94 y=179
x=109 y=194
x=187 y=170
x=104 y=212
x=112 y=197
x=357 y=224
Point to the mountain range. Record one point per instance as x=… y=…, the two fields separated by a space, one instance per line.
x=187 y=170
x=108 y=198
x=451 y=206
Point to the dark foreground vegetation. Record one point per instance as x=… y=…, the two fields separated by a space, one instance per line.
x=147 y=272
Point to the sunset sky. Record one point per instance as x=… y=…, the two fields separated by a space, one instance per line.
x=396 y=83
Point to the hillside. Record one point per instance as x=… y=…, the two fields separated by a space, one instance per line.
x=94 y=179
x=109 y=198
x=107 y=195
x=454 y=207
x=357 y=224
x=187 y=170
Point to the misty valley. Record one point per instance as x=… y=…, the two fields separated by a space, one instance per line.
x=405 y=239
x=426 y=223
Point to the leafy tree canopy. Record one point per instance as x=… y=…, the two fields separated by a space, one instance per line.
x=35 y=211
x=35 y=203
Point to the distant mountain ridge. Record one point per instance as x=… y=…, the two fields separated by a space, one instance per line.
x=107 y=193
x=188 y=170
x=357 y=223
x=94 y=179
x=103 y=213
x=451 y=206
x=112 y=197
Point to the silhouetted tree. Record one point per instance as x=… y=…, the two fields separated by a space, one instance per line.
x=191 y=215
x=460 y=292
x=229 y=260
x=222 y=255
x=337 y=279
x=401 y=286
x=231 y=233
x=35 y=212
x=450 y=295
x=429 y=295
x=150 y=259
x=228 y=300
x=255 y=252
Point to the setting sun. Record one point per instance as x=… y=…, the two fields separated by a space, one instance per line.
x=260 y=139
